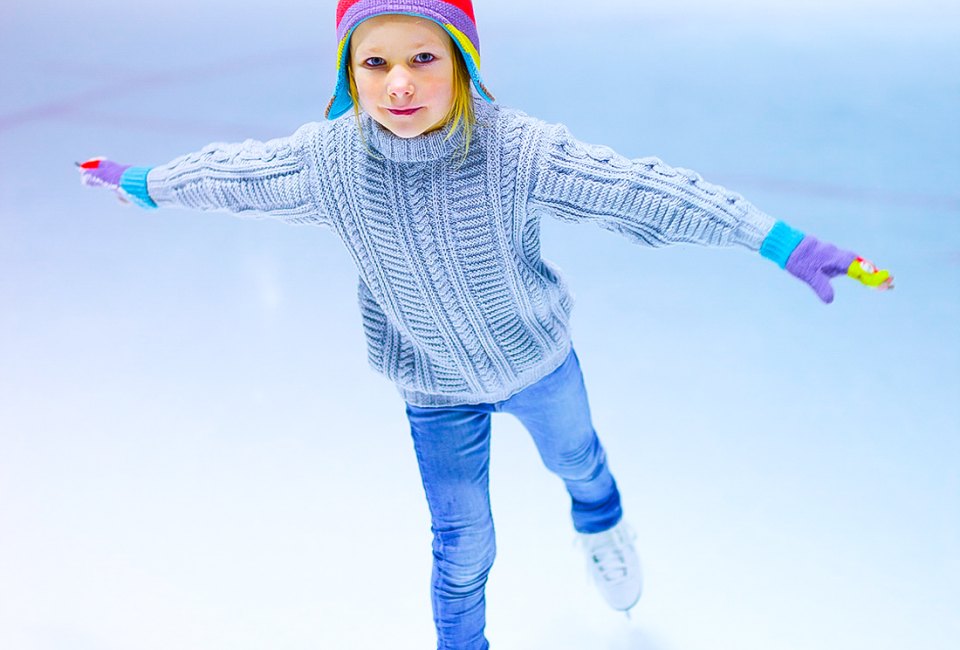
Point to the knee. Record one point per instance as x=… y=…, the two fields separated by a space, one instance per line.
x=583 y=462
x=464 y=556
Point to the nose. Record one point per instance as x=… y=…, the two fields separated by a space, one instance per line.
x=399 y=82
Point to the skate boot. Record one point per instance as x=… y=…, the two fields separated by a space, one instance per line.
x=614 y=565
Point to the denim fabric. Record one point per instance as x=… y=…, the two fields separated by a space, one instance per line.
x=453 y=450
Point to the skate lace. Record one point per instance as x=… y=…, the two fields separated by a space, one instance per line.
x=606 y=553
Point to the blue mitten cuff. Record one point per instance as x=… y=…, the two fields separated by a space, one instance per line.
x=133 y=182
x=779 y=243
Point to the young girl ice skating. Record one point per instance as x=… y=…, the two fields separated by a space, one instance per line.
x=437 y=192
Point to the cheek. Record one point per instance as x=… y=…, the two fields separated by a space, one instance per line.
x=366 y=90
x=441 y=91
x=367 y=98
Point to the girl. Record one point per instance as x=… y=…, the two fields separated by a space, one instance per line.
x=437 y=192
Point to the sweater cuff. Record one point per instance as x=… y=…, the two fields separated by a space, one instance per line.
x=780 y=243
x=133 y=182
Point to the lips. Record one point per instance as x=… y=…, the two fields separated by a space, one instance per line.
x=404 y=111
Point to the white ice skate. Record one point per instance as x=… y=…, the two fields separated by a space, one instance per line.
x=614 y=564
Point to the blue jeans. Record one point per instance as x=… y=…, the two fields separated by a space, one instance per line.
x=453 y=450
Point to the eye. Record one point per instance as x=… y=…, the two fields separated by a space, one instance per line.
x=373 y=62
x=424 y=57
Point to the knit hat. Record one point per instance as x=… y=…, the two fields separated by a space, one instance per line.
x=455 y=16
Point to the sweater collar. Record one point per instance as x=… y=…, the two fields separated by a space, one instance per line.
x=422 y=148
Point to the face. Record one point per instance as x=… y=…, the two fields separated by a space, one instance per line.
x=403 y=66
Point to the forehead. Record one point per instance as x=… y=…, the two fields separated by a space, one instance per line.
x=388 y=31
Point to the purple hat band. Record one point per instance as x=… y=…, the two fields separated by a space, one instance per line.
x=440 y=12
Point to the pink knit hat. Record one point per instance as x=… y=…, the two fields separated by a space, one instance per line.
x=455 y=16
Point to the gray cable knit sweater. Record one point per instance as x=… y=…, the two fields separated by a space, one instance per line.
x=458 y=306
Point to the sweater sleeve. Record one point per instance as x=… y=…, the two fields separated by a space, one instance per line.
x=276 y=178
x=643 y=199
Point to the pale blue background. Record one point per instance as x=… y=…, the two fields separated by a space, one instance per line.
x=194 y=454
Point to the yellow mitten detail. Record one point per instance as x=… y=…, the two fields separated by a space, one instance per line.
x=865 y=271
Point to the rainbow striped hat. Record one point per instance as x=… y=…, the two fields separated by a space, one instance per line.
x=455 y=16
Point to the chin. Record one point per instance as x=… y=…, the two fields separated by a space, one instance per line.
x=408 y=133
x=408 y=130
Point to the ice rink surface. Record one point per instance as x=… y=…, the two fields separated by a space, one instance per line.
x=194 y=454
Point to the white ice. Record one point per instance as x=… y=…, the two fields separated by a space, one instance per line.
x=194 y=454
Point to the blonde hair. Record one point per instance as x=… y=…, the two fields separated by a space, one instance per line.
x=461 y=113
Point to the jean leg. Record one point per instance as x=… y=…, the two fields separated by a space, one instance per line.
x=453 y=450
x=556 y=413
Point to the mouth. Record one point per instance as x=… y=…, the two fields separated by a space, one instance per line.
x=404 y=111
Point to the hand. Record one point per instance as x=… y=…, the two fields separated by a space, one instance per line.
x=128 y=183
x=816 y=263
x=100 y=172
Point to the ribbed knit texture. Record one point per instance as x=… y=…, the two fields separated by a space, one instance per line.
x=458 y=306
x=780 y=243
x=133 y=182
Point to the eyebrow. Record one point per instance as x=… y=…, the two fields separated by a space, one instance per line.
x=373 y=49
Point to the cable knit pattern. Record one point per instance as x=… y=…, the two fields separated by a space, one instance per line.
x=250 y=179
x=643 y=199
x=458 y=306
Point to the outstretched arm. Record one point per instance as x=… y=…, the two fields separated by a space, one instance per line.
x=643 y=199
x=276 y=178
x=656 y=205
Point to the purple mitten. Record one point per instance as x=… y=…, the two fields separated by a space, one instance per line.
x=816 y=263
x=100 y=172
x=129 y=183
